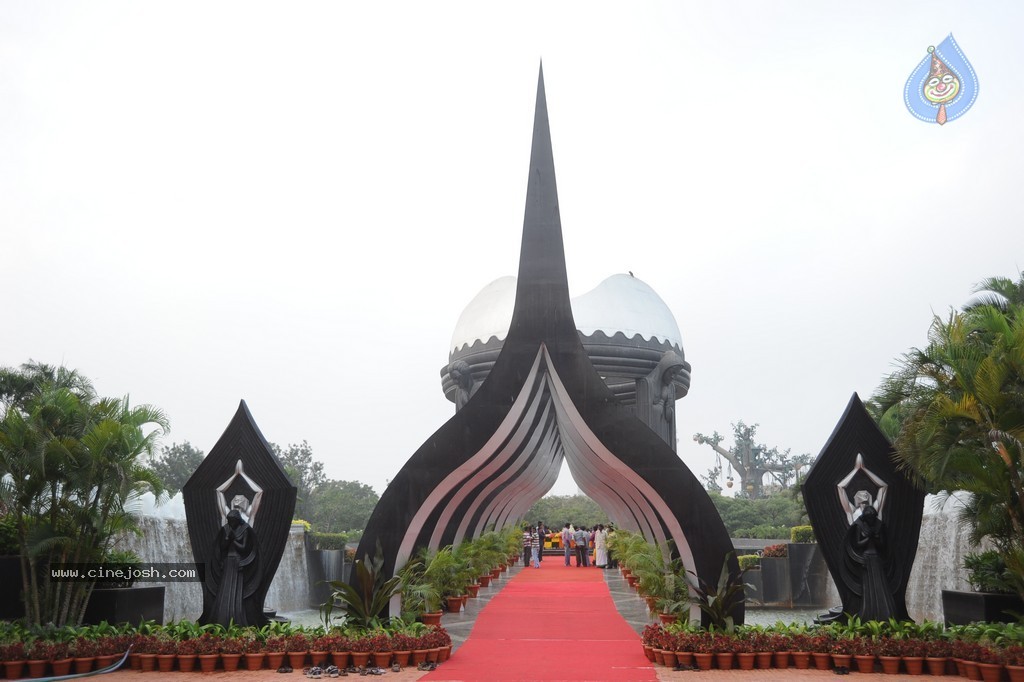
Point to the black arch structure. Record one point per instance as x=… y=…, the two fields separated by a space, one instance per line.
x=543 y=402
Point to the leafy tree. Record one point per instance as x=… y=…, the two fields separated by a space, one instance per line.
x=753 y=461
x=339 y=506
x=740 y=513
x=175 y=465
x=955 y=412
x=73 y=462
x=304 y=471
x=555 y=510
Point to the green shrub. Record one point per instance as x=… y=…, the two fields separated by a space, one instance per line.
x=8 y=536
x=328 y=540
x=987 y=572
x=748 y=561
x=801 y=534
x=779 y=551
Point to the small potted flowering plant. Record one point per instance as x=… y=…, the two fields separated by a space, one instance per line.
x=276 y=647
x=208 y=650
x=186 y=651
x=232 y=647
x=297 y=645
x=253 y=651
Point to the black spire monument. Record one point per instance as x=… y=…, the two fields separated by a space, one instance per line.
x=543 y=402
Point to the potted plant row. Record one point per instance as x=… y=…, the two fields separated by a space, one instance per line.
x=981 y=651
x=187 y=646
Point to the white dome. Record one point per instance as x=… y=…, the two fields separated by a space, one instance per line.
x=621 y=303
x=488 y=314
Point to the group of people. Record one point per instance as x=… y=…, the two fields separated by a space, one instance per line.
x=579 y=542
x=575 y=542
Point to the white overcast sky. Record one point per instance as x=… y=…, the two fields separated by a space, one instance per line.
x=292 y=202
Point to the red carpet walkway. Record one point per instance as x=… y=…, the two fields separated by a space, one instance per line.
x=548 y=624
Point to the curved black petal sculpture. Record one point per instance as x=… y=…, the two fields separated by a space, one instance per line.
x=853 y=479
x=544 y=401
x=239 y=505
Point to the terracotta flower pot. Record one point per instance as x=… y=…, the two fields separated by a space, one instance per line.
x=991 y=672
x=484 y=580
x=431 y=618
x=973 y=671
x=890 y=664
x=340 y=659
x=649 y=653
x=360 y=658
x=746 y=660
x=444 y=654
x=418 y=656
x=36 y=668
x=147 y=662
x=822 y=660
x=12 y=669
x=402 y=658
x=433 y=653
x=318 y=658
x=842 y=660
x=275 y=659
x=865 y=663
x=1016 y=673
x=764 y=659
x=659 y=656
x=208 y=662
x=781 y=659
x=254 y=660
x=669 y=658
x=473 y=589
x=186 y=662
x=801 y=660
x=106 y=661
x=667 y=618
x=230 y=662
x=297 y=659
x=381 y=659
x=165 y=662
x=454 y=604
x=704 y=661
x=61 y=667
x=936 y=666
x=684 y=658
x=913 y=664
x=724 y=659
x=134 y=662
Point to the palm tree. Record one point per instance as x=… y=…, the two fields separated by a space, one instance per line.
x=74 y=464
x=955 y=411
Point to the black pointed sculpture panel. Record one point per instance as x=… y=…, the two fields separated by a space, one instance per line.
x=239 y=505
x=866 y=516
x=543 y=402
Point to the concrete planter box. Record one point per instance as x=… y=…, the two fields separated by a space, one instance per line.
x=125 y=605
x=776 y=591
x=755 y=592
x=961 y=608
x=808 y=574
x=11 y=607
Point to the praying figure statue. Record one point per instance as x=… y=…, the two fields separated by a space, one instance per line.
x=867 y=570
x=234 y=572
